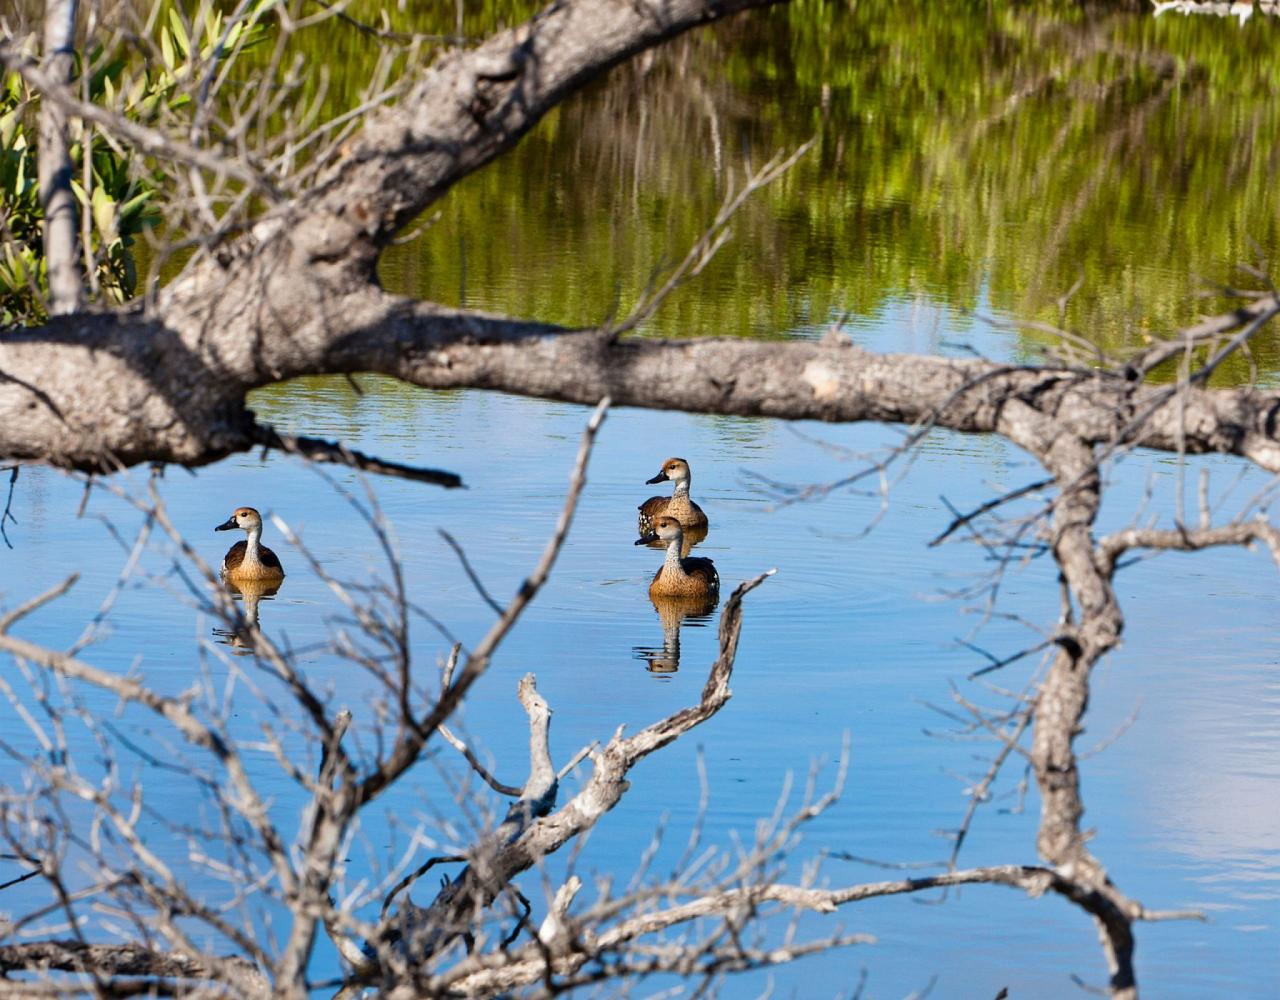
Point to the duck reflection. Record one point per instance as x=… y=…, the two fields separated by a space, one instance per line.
x=673 y=612
x=251 y=592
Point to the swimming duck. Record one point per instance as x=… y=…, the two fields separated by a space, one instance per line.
x=678 y=505
x=679 y=576
x=248 y=560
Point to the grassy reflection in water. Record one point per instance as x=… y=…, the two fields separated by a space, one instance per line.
x=964 y=149
x=976 y=153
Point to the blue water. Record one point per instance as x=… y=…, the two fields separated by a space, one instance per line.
x=854 y=638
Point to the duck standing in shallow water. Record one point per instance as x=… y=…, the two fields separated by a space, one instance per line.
x=249 y=560
x=680 y=576
x=678 y=505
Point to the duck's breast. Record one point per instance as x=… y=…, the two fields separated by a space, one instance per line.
x=684 y=510
x=696 y=578
x=236 y=566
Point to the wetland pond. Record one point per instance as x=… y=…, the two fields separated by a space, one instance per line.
x=973 y=163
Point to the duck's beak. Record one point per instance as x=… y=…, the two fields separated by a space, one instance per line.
x=661 y=477
x=228 y=524
x=645 y=539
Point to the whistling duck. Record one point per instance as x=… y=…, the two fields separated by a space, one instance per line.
x=678 y=505
x=680 y=577
x=248 y=560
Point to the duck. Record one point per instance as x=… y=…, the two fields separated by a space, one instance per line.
x=248 y=560
x=678 y=505
x=690 y=577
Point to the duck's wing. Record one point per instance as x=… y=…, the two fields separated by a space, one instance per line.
x=649 y=511
x=235 y=556
x=269 y=559
x=705 y=569
x=699 y=516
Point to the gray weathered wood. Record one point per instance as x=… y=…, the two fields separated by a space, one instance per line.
x=61 y=242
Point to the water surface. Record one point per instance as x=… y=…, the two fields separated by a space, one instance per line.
x=849 y=639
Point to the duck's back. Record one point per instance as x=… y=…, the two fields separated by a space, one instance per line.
x=684 y=510
x=703 y=569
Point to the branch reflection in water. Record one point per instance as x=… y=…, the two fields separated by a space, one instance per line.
x=241 y=635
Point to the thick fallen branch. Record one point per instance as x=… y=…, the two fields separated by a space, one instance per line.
x=98 y=392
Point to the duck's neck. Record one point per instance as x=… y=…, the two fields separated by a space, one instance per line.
x=251 y=550
x=672 y=565
x=680 y=505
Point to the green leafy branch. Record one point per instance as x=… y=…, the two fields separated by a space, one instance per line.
x=115 y=187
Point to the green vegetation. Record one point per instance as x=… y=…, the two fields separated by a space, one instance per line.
x=116 y=191
x=116 y=204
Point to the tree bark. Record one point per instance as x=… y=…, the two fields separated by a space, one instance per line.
x=61 y=245
x=99 y=392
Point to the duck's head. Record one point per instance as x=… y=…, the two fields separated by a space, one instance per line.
x=665 y=528
x=244 y=518
x=674 y=469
